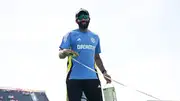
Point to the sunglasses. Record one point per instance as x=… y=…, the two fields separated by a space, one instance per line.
x=83 y=17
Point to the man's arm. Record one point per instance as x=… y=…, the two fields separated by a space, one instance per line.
x=99 y=63
x=64 y=48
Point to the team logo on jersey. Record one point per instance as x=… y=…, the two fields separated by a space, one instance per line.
x=92 y=40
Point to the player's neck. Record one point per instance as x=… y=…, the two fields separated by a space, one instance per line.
x=83 y=30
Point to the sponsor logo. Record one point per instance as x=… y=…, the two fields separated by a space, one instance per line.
x=83 y=46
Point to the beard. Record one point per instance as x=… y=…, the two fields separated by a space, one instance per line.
x=83 y=25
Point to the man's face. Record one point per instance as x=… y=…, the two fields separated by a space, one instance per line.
x=83 y=21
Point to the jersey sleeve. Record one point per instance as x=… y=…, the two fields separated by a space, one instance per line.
x=66 y=42
x=98 y=47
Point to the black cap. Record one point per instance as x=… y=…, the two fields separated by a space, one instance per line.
x=82 y=11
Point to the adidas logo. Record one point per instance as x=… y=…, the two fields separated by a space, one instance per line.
x=78 y=39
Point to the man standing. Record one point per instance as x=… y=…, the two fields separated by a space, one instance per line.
x=84 y=46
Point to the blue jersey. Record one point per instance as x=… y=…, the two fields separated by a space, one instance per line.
x=86 y=44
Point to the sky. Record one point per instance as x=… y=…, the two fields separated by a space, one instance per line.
x=139 y=41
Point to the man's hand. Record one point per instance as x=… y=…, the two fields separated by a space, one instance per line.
x=67 y=52
x=107 y=77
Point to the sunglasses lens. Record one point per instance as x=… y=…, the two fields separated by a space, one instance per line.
x=83 y=17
